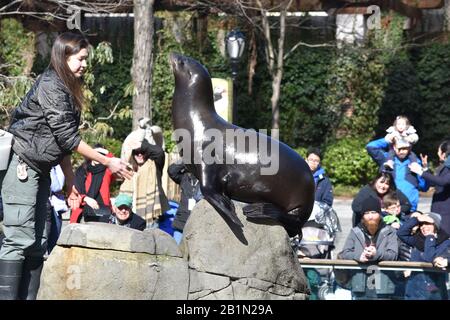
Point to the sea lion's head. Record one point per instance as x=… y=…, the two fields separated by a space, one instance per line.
x=191 y=75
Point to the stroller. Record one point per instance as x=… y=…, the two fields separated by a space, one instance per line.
x=319 y=234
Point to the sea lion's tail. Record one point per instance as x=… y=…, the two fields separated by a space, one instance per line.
x=291 y=220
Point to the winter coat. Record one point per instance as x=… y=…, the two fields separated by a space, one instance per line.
x=441 y=197
x=366 y=192
x=424 y=285
x=432 y=248
x=324 y=190
x=133 y=222
x=45 y=125
x=103 y=196
x=406 y=181
x=386 y=244
x=190 y=189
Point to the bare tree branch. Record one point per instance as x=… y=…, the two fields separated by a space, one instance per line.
x=310 y=45
x=112 y=112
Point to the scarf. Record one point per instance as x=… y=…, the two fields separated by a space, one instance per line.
x=97 y=174
x=143 y=188
x=318 y=174
x=420 y=239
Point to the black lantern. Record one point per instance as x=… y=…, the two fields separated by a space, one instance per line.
x=235 y=44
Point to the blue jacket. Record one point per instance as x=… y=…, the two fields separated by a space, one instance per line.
x=406 y=181
x=324 y=190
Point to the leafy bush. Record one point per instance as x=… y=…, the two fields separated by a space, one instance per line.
x=301 y=151
x=16 y=49
x=347 y=162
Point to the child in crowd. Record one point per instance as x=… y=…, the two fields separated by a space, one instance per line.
x=393 y=216
x=401 y=129
x=391 y=210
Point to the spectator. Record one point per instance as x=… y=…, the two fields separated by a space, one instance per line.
x=392 y=216
x=441 y=182
x=45 y=129
x=391 y=210
x=324 y=190
x=429 y=243
x=370 y=241
x=1 y=221
x=149 y=198
x=377 y=189
x=57 y=206
x=402 y=129
x=93 y=181
x=123 y=215
x=406 y=181
x=190 y=195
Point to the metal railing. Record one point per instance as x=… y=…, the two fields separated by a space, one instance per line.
x=382 y=265
x=382 y=280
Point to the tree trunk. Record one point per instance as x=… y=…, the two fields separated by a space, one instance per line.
x=141 y=71
x=278 y=74
x=252 y=62
x=276 y=87
x=447 y=15
x=201 y=30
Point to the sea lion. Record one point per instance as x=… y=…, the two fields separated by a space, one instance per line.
x=286 y=195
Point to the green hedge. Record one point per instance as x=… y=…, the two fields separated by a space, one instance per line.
x=348 y=163
x=305 y=116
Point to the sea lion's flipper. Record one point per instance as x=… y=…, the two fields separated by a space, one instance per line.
x=291 y=221
x=223 y=205
x=262 y=211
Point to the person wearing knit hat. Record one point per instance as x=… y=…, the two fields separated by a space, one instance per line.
x=429 y=243
x=435 y=218
x=370 y=241
x=371 y=205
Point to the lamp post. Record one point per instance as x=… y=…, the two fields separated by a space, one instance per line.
x=234 y=44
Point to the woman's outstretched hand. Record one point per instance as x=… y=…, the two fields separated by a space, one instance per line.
x=120 y=167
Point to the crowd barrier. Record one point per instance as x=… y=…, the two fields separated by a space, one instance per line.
x=353 y=280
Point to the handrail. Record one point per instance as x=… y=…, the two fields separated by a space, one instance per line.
x=382 y=265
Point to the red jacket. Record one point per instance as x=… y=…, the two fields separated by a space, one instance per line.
x=108 y=178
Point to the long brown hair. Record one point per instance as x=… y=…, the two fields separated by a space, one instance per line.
x=386 y=178
x=65 y=45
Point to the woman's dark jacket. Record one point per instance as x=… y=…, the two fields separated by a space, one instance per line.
x=45 y=125
x=366 y=192
x=190 y=189
x=441 y=197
